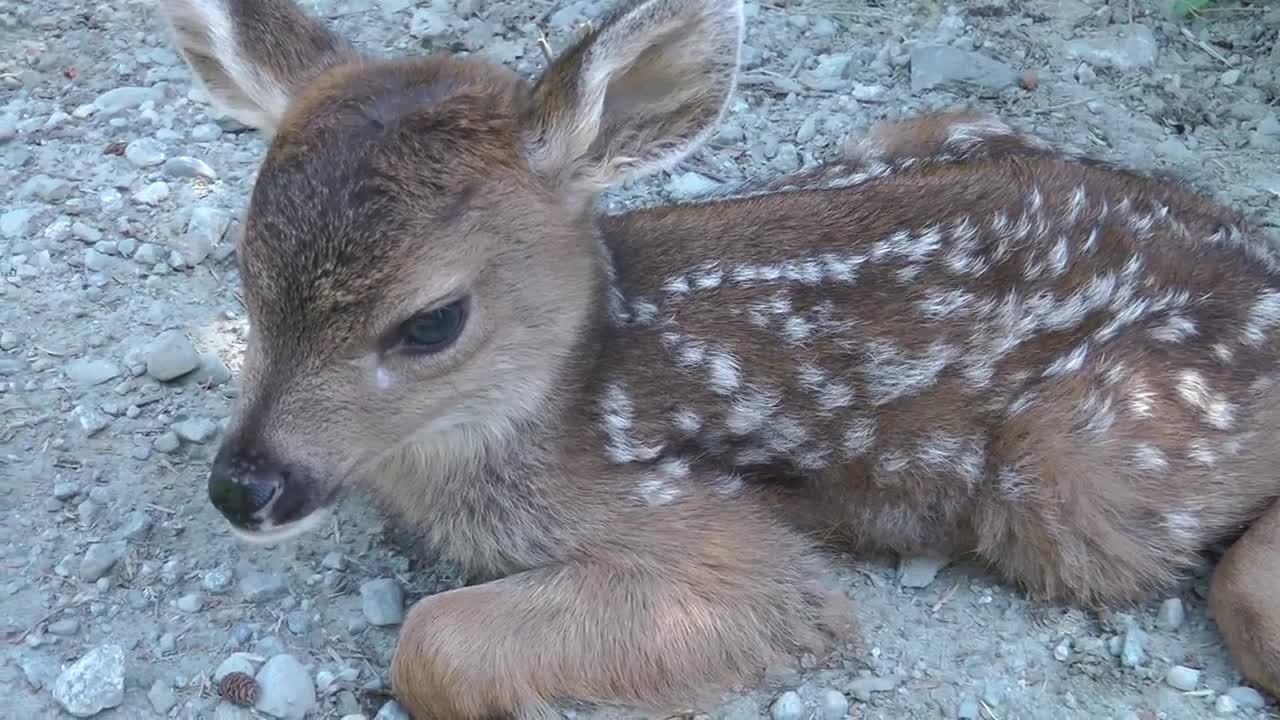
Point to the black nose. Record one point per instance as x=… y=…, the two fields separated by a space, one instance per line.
x=243 y=483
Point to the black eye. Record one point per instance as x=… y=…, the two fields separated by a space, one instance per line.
x=433 y=330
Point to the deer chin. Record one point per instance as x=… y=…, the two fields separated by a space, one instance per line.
x=269 y=533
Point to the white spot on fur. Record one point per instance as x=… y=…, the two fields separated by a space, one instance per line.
x=748 y=412
x=859 y=436
x=892 y=373
x=725 y=375
x=1264 y=315
x=1183 y=524
x=618 y=412
x=1069 y=363
x=382 y=378
x=686 y=422
x=1176 y=329
x=657 y=491
x=1150 y=457
x=1195 y=391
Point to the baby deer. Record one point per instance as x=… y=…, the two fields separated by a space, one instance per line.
x=643 y=429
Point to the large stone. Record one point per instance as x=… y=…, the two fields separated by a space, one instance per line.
x=287 y=689
x=943 y=66
x=93 y=683
x=1129 y=50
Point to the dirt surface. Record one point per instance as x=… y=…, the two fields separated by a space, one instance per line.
x=121 y=333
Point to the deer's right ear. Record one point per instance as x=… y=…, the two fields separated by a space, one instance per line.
x=252 y=56
x=636 y=95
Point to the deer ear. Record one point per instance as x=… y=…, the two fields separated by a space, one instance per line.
x=252 y=56
x=637 y=94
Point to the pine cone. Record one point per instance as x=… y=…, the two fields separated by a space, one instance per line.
x=239 y=688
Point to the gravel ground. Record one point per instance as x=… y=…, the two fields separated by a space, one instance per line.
x=122 y=594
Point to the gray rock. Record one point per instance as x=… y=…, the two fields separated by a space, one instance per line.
x=788 y=706
x=166 y=442
x=123 y=98
x=162 y=697
x=206 y=132
x=9 y=340
x=171 y=356
x=15 y=224
x=1247 y=697
x=1132 y=653
x=144 y=152
x=237 y=662
x=99 y=559
x=863 y=687
x=1269 y=125
x=382 y=601
x=8 y=128
x=217 y=580
x=65 y=490
x=190 y=603
x=45 y=188
x=260 y=587
x=64 y=627
x=691 y=184
x=920 y=571
x=153 y=194
x=1131 y=50
x=1182 y=678
x=167 y=643
x=195 y=430
x=205 y=229
x=40 y=671
x=969 y=710
x=333 y=560
x=136 y=525
x=943 y=66
x=1224 y=705
x=832 y=705
x=93 y=683
x=391 y=710
x=1171 y=614
x=739 y=709
x=185 y=166
x=287 y=689
x=91 y=421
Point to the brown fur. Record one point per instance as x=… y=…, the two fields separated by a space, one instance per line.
x=954 y=338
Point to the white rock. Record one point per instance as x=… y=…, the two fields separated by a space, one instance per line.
x=93 y=683
x=287 y=689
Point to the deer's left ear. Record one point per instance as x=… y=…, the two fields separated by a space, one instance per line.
x=637 y=94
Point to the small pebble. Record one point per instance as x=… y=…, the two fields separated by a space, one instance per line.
x=9 y=340
x=153 y=194
x=833 y=705
x=166 y=442
x=167 y=643
x=260 y=587
x=920 y=571
x=863 y=687
x=136 y=525
x=391 y=710
x=162 y=697
x=191 y=603
x=1062 y=652
x=382 y=601
x=1247 y=697
x=65 y=490
x=788 y=706
x=1171 y=614
x=65 y=626
x=237 y=662
x=144 y=152
x=969 y=710
x=217 y=580
x=188 y=167
x=195 y=430
x=171 y=356
x=287 y=690
x=99 y=559
x=1182 y=678
x=1224 y=705
x=1132 y=653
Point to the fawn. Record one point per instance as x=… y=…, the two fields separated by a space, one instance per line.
x=641 y=430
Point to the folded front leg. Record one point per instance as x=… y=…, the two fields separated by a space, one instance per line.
x=671 y=606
